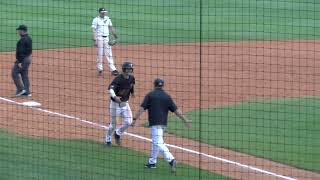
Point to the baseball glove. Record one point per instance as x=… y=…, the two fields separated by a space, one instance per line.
x=112 y=42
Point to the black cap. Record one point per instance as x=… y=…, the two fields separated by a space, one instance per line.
x=158 y=82
x=22 y=27
x=102 y=10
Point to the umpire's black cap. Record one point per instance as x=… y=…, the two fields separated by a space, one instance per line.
x=102 y=10
x=158 y=82
x=23 y=28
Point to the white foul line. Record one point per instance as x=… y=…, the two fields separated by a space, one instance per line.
x=147 y=139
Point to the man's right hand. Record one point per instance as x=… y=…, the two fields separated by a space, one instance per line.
x=19 y=65
x=188 y=124
x=117 y=99
x=95 y=43
x=133 y=121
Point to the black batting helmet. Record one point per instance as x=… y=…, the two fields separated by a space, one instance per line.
x=127 y=65
x=158 y=82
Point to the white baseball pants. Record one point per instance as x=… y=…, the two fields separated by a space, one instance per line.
x=158 y=145
x=117 y=110
x=103 y=46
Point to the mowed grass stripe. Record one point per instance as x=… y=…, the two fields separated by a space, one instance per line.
x=58 y=23
x=43 y=158
x=283 y=130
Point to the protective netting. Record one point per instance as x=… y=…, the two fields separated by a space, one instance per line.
x=244 y=72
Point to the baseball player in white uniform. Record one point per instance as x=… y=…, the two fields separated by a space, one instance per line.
x=101 y=28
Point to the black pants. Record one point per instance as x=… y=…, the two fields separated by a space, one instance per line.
x=23 y=71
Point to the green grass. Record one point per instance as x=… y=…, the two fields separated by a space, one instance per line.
x=35 y=158
x=66 y=23
x=284 y=130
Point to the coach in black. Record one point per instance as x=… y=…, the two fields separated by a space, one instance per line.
x=159 y=103
x=23 y=61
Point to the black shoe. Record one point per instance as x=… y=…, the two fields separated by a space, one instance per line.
x=26 y=94
x=108 y=144
x=115 y=73
x=100 y=72
x=20 y=93
x=150 y=166
x=117 y=138
x=173 y=164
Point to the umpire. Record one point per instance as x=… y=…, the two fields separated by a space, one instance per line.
x=159 y=103
x=23 y=61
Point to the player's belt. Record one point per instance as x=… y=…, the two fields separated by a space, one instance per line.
x=122 y=104
x=104 y=36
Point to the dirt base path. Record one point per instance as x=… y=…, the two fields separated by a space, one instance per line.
x=65 y=81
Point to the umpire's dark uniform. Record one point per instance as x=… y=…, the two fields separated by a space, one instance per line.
x=23 y=61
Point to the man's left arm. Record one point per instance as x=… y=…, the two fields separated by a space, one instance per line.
x=113 y=30
x=173 y=108
x=182 y=117
x=28 y=47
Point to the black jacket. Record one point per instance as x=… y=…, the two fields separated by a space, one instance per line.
x=158 y=103
x=24 y=48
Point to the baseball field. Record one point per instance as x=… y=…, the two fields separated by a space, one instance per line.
x=245 y=72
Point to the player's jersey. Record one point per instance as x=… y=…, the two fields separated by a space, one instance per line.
x=158 y=103
x=123 y=87
x=101 y=25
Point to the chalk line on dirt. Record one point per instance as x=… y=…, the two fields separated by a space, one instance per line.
x=147 y=139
